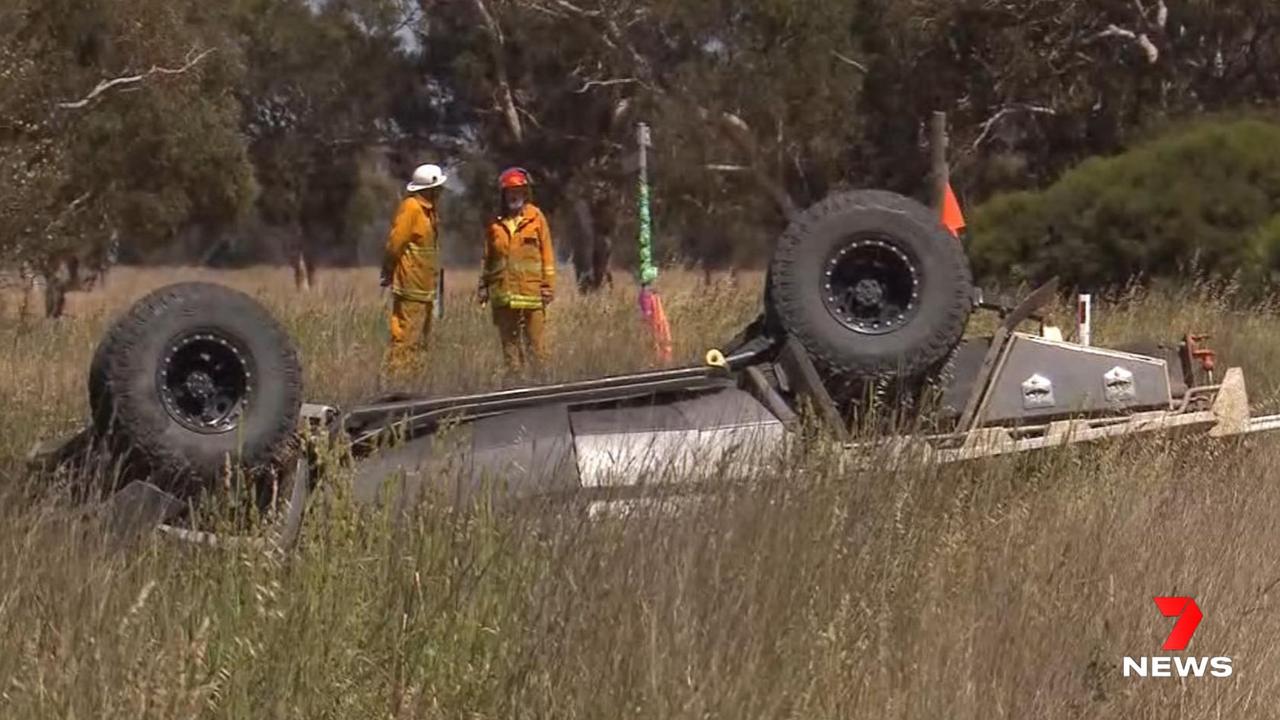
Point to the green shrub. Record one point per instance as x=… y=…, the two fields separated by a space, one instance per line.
x=1264 y=251
x=1206 y=198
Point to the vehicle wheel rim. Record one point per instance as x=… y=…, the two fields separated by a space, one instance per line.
x=871 y=286
x=205 y=382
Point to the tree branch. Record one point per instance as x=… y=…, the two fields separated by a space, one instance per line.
x=497 y=49
x=1116 y=31
x=565 y=5
x=604 y=83
x=612 y=36
x=740 y=134
x=128 y=81
x=850 y=62
x=990 y=125
x=1162 y=12
x=1141 y=39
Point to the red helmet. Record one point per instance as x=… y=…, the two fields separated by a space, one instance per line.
x=514 y=178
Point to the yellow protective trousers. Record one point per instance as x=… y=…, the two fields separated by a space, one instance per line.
x=523 y=336
x=410 y=333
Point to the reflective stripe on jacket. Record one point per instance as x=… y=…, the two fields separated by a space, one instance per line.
x=519 y=260
x=413 y=248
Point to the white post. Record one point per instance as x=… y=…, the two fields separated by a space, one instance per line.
x=1084 y=319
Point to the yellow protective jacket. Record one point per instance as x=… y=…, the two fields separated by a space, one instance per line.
x=519 y=260
x=413 y=249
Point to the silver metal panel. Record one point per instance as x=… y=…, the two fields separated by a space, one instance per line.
x=725 y=434
x=960 y=374
x=524 y=453
x=1041 y=379
x=727 y=407
x=677 y=456
x=397 y=475
x=517 y=455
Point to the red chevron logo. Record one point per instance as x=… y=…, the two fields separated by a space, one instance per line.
x=1189 y=617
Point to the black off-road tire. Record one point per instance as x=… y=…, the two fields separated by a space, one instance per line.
x=100 y=402
x=196 y=377
x=928 y=269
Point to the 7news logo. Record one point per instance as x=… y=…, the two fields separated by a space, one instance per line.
x=1188 y=619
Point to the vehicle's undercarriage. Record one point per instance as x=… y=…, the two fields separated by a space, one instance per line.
x=862 y=338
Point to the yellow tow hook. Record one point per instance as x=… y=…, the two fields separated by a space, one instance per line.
x=715 y=359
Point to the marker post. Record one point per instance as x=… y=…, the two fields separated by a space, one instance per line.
x=1084 y=319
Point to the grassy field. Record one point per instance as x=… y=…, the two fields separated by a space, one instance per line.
x=1009 y=588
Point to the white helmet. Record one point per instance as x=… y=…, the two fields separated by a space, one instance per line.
x=426 y=177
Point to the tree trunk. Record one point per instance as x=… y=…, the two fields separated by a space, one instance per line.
x=61 y=276
x=593 y=251
x=602 y=247
x=583 y=245
x=303 y=270
x=941 y=169
x=55 y=298
x=602 y=256
x=112 y=258
x=27 y=307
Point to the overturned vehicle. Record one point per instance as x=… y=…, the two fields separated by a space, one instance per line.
x=866 y=290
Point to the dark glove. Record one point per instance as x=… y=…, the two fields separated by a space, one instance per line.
x=385 y=279
x=483 y=294
x=547 y=295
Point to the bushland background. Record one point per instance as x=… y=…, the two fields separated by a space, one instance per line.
x=1130 y=146
x=281 y=131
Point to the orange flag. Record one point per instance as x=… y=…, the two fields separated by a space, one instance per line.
x=661 y=331
x=656 y=316
x=952 y=216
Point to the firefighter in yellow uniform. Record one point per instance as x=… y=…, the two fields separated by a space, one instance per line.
x=409 y=268
x=519 y=272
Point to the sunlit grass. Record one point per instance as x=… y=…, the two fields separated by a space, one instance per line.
x=1008 y=588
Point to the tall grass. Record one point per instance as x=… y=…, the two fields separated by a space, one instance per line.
x=1006 y=588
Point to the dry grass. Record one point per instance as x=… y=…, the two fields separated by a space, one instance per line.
x=1009 y=588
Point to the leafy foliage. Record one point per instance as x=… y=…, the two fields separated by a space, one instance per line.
x=140 y=160
x=763 y=104
x=319 y=96
x=294 y=131
x=1207 y=197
